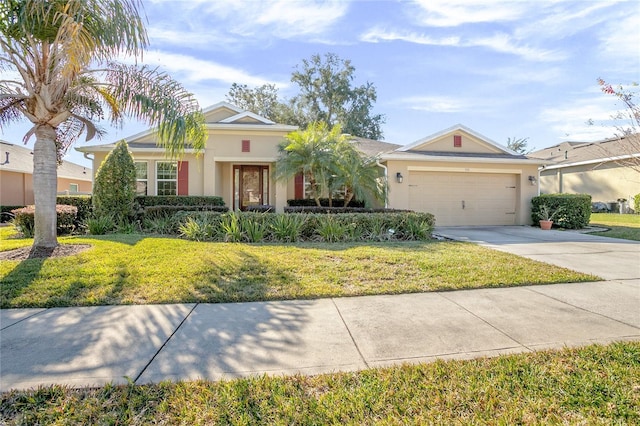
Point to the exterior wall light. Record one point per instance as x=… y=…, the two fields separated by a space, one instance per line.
x=399 y=177
x=533 y=180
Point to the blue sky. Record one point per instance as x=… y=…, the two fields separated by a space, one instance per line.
x=503 y=68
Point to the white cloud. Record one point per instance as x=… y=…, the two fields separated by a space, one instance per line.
x=452 y=13
x=438 y=104
x=620 y=40
x=572 y=119
x=191 y=70
x=499 y=42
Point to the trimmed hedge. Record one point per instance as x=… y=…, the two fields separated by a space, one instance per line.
x=324 y=202
x=332 y=210
x=82 y=202
x=178 y=200
x=25 y=219
x=156 y=211
x=575 y=209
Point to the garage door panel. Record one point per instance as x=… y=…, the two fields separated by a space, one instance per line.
x=464 y=198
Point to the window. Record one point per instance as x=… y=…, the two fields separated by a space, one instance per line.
x=142 y=177
x=73 y=187
x=166 y=178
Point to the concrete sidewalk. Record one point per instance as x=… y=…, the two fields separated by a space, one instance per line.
x=95 y=345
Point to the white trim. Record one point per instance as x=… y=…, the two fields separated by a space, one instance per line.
x=457 y=127
x=110 y=147
x=245 y=160
x=598 y=160
x=248 y=126
x=246 y=114
x=221 y=105
x=463 y=170
x=450 y=159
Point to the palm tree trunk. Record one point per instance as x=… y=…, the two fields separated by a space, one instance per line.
x=45 y=182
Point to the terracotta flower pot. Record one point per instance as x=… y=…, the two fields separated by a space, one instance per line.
x=546 y=224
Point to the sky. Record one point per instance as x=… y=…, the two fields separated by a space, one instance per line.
x=506 y=69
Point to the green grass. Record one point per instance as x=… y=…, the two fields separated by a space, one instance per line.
x=625 y=226
x=138 y=269
x=590 y=385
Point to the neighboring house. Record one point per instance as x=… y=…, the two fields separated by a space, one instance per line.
x=460 y=176
x=16 y=176
x=600 y=169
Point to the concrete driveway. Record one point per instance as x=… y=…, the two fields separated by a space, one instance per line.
x=608 y=258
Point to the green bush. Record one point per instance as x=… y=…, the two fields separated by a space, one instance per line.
x=166 y=211
x=575 y=209
x=82 y=202
x=324 y=202
x=24 y=219
x=178 y=200
x=261 y=227
x=636 y=204
x=114 y=189
x=100 y=225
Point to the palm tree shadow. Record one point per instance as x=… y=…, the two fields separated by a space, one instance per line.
x=21 y=277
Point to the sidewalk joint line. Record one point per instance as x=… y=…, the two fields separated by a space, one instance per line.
x=581 y=308
x=25 y=318
x=164 y=344
x=487 y=322
x=350 y=334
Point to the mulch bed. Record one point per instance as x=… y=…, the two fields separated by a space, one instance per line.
x=61 y=250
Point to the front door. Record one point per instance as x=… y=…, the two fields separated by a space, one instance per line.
x=250 y=186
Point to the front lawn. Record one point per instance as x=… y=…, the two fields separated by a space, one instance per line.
x=139 y=269
x=591 y=385
x=626 y=226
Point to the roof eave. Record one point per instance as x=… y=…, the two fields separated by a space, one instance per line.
x=449 y=159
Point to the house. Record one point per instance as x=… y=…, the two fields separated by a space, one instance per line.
x=462 y=177
x=602 y=169
x=16 y=176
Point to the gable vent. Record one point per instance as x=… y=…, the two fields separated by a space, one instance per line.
x=457 y=141
x=246 y=146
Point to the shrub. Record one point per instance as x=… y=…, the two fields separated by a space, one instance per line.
x=331 y=229
x=159 y=225
x=575 y=209
x=261 y=208
x=166 y=211
x=324 y=202
x=24 y=219
x=230 y=227
x=100 y=225
x=82 y=202
x=636 y=203
x=194 y=229
x=114 y=189
x=287 y=228
x=178 y=200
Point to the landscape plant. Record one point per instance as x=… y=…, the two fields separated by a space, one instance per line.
x=114 y=188
x=62 y=55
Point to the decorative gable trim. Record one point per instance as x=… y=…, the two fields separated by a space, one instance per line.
x=243 y=117
x=452 y=129
x=221 y=105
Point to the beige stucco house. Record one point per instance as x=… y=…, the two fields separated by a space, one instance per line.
x=600 y=169
x=16 y=176
x=462 y=177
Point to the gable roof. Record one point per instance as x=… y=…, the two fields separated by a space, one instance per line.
x=461 y=128
x=371 y=147
x=566 y=154
x=21 y=161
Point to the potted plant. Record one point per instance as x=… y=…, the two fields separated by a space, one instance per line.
x=546 y=215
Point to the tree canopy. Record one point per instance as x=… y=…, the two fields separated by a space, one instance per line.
x=326 y=94
x=58 y=59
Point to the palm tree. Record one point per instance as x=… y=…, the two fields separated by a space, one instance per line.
x=310 y=152
x=359 y=175
x=61 y=53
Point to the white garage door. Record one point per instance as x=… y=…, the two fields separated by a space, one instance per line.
x=458 y=199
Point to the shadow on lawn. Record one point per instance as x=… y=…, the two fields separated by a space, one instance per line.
x=21 y=277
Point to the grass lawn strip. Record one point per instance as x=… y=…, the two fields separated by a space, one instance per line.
x=590 y=385
x=139 y=269
x=625 y=226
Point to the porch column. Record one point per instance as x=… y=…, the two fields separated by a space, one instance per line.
x=281 y=196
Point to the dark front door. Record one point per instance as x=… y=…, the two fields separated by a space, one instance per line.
x=250 y=186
